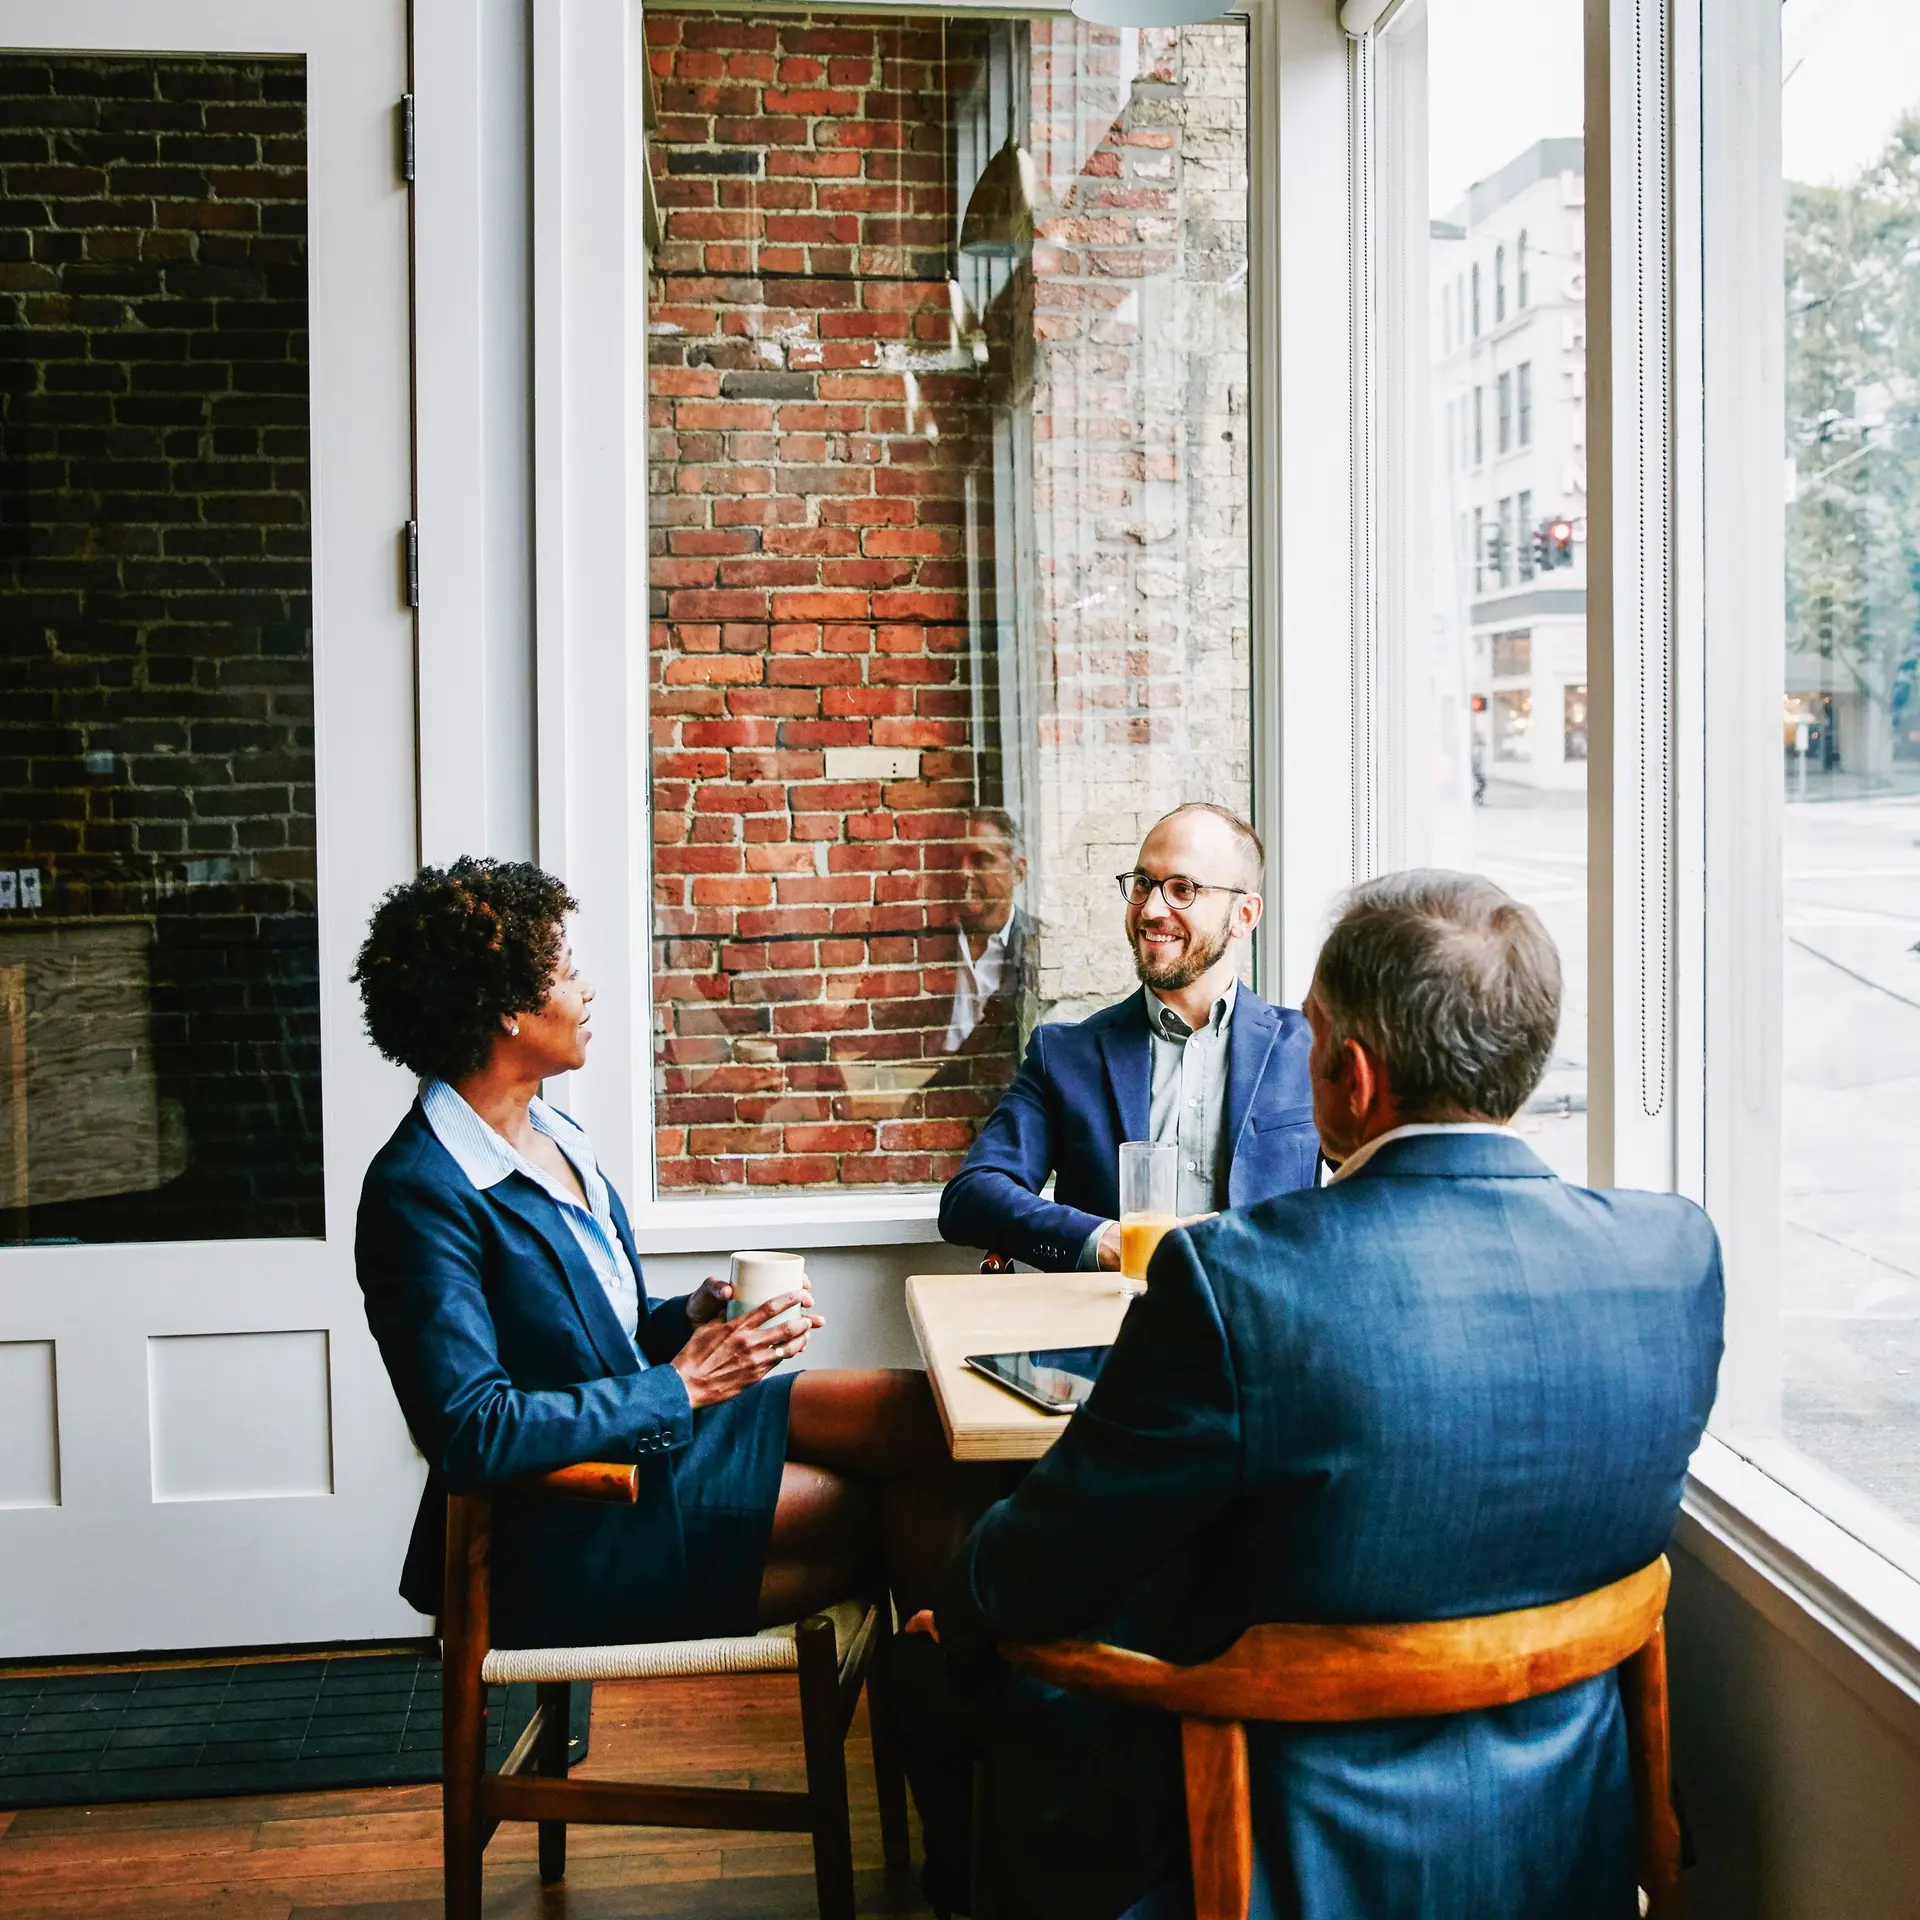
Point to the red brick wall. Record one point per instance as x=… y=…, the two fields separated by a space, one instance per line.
x=808 y=586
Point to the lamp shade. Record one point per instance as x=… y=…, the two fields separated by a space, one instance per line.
x=998 y=223
x=1149 y=13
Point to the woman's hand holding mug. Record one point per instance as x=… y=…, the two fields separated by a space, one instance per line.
x=767 y=1303
x=708 y=1301
x=725 y=1357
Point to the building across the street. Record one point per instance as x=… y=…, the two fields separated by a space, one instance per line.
x=1510 y=467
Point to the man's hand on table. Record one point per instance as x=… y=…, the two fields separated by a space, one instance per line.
x=1109 y=1252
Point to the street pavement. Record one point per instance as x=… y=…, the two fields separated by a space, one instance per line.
x=1850 y=1189
x=1850 y=1251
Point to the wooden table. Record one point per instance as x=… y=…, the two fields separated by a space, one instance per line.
x=955 y=1314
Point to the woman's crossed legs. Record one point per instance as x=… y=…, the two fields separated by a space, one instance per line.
x=867 y=1466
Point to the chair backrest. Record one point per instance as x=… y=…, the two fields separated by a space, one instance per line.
x=1343 y=1673
x=1375 y=1672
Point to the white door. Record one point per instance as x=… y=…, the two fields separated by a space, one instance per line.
x=206 y=779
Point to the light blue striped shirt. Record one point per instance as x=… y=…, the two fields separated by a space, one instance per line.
x=486 y=1158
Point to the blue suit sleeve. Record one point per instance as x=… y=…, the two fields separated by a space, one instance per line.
x=1150 y=1461
x=995 y=1202
x=419 y=1260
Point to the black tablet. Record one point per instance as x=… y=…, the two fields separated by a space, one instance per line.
x=1054 y=1379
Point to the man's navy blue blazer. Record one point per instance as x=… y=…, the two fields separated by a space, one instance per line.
x=1449 y=1385
x=508 y=1359
x=1083 y=1089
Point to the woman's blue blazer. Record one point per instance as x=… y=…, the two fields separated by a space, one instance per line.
x=508 y=1359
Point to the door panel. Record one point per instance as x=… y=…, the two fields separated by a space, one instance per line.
x=206 y=778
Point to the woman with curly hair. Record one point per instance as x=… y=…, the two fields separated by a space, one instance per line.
x=506 y=1294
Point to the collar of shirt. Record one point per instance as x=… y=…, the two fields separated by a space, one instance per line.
x=1361 y=1155
x=1169 y=1025
x=487 y=1157
x=992 y=954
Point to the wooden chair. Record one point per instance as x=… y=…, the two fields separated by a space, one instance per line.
x=830 y=1653
x=1334 y=1673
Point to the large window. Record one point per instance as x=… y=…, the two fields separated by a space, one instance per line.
x=1491 y=632
x=1849 y=747
x=950 y=554
x=159 y=930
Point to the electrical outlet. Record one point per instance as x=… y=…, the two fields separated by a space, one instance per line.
x=9 y=889
x=30 y=889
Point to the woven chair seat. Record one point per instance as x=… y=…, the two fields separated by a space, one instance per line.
x=771 y=1650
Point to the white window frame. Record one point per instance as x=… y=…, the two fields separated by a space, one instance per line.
x=473 y=430
x=590 y=546
x=1794 y=1523
x=1793 y=1539
x=1684 y=636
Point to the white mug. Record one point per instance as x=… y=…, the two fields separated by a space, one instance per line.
x=760 y=1277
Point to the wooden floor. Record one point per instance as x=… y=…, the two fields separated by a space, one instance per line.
x=374 y=1853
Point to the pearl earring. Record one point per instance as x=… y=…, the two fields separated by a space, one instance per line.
x=513 y=1029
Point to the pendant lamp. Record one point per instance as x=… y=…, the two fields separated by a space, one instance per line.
x=1008 y=198
x=1000 y=215
x=1149 y=13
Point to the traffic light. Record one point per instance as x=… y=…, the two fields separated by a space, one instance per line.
x=1553 y=544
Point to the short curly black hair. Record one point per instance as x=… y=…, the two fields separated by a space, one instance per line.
x=454 y=951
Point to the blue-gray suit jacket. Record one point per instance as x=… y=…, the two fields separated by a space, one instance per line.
x=1449 y=1385
x=1085 y=1088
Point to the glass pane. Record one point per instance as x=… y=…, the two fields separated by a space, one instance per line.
x=1850 y=744
x=1494 y=539
x=159 y=1000
x=950 y=568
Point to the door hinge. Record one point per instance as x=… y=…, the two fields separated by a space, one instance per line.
x=408 y=133
x=413 y=564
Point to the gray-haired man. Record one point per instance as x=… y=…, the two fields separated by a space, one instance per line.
x=1446 y=1384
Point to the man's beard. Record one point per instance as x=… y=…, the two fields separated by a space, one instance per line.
x=1201 y=952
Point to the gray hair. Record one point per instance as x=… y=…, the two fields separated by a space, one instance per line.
x=1451 y=982
x=1004 y=824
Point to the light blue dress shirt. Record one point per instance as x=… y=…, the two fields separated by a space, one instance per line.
x=487 y=1158
x=1189 y=1106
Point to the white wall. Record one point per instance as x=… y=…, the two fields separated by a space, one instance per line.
x=861 y=1293
x=1798 y=1764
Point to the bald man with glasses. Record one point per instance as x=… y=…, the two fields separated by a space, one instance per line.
x=1194 y=1058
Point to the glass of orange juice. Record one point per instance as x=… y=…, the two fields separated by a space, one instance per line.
x=1149 y=1186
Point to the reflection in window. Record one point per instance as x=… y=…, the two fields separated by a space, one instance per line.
x=1494 y=647
x=1513 y=724
x=159 y=999
x=1574 y=734
x=1850 y=744
x=949 y=381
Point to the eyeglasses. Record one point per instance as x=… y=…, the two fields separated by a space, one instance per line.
x=1176 y=889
